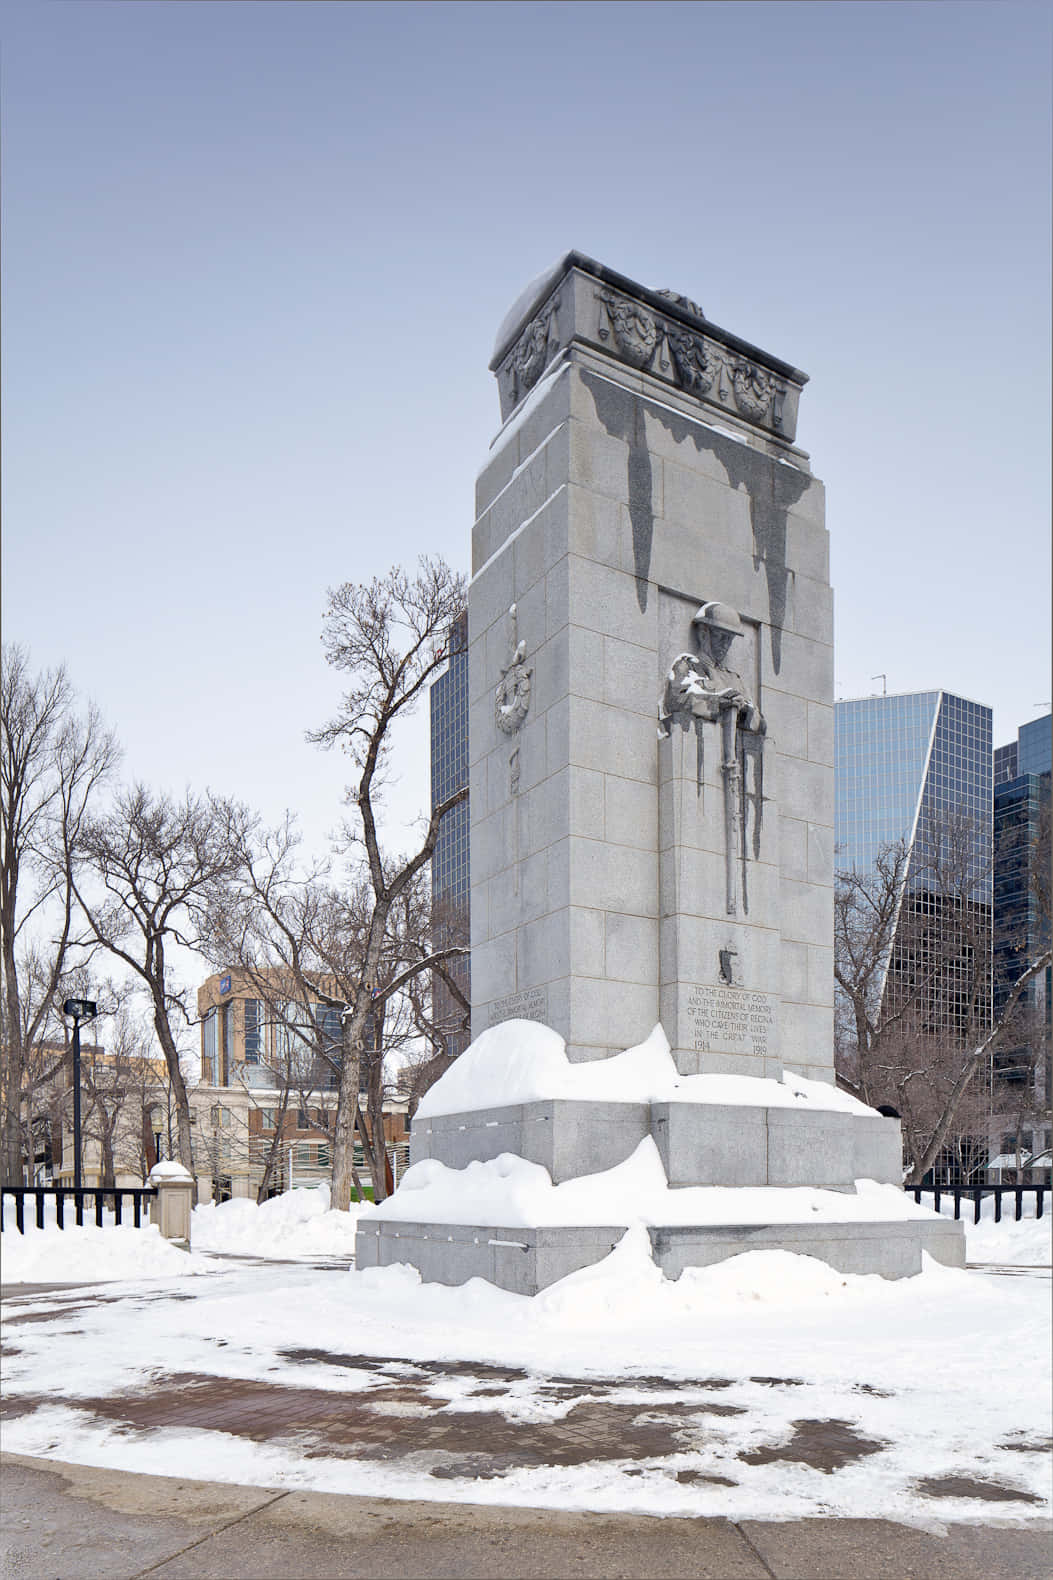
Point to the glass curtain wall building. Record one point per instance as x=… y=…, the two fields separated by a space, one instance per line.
x=450 y=876
x=917 y=768
x=1022 y=931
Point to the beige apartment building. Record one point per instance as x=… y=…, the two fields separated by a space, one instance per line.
x=269 y=1078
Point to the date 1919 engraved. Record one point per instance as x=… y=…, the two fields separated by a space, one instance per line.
x=729 y=1019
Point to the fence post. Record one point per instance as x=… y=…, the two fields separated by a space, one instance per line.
x=170 y=1208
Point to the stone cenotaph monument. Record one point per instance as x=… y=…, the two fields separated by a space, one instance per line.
x=652 y=803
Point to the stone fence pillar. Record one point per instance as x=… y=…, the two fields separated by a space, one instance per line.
x=170 y=1208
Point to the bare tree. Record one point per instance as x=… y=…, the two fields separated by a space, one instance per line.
x=53 y=761
x=388 y=639
x=122 y=1084
x=157 y=864
x=913 y=969
x=970 y=1067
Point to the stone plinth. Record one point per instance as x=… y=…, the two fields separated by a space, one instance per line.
x=527 y=1260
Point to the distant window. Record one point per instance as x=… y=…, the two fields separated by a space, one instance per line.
x=323 y=1157
x=267 y=1118
x=253 y=1023
x=208 y=1048
x=303 y=1119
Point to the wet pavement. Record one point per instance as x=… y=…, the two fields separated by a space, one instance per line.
x=470 y=1422
x=73 y=1522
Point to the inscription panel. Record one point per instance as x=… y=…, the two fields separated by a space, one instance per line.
x=729 y=1020
x=529 y=1005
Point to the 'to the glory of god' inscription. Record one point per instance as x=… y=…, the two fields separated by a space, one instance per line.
x=730 y=1018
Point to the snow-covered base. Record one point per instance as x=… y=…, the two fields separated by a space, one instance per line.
x=508 y=1190
x=522 y=1061
x=947 y=1372
x=298 y=1223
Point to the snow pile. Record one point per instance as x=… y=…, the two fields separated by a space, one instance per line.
x=521 y=1061
x=92 y=1255
x=509 y=1191
x=1028 y=1243
x=298 y=1223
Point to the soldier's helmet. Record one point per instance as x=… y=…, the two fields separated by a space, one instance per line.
x=721 y=616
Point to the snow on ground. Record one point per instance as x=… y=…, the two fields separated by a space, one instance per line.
x=298 y=1223
x=1028 y=1243
x=521 y=1061
x=947 y=1375
x=88 y=1254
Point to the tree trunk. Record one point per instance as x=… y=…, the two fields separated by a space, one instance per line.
x=184 y=1142
x=344 y=1126
x=106 y=1144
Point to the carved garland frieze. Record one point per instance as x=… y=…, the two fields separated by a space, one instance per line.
x=635 y=332
x=699 y=364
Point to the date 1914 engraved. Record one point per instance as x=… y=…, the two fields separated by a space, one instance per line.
x=729 y=1019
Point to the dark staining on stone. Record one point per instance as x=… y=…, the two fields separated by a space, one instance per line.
x=773 y=490
x=622 y=414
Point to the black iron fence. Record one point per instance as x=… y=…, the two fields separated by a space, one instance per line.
x=97 y=1199
x=976 y=1194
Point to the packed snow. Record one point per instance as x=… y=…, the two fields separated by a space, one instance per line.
x=522 y=1061
x=89 y=1254
x=508 y=1190
x=1028 y=1243
x=298 y=1223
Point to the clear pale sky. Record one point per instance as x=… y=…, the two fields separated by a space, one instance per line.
x=255 y=255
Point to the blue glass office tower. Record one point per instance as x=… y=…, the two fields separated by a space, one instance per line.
x=914 y=767
x=1023 y=776
x=449 y=864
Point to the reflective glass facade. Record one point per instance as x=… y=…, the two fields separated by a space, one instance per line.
x=1035 y=746
x=1021 y=925
x=450 y=878
x=906 y=765
x=918 y=768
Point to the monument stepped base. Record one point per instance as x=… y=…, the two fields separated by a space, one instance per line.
x=699 y=1143
x=527 y=1260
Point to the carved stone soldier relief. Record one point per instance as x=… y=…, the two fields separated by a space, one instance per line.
x=705 y=688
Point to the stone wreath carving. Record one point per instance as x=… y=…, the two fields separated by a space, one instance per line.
x=752 y=389
x=635 y=332
x=512 y=697
x=532 y=348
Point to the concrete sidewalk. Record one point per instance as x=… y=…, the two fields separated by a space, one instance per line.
x=71 y=1522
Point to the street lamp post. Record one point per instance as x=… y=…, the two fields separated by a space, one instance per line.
x=78 y=1009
